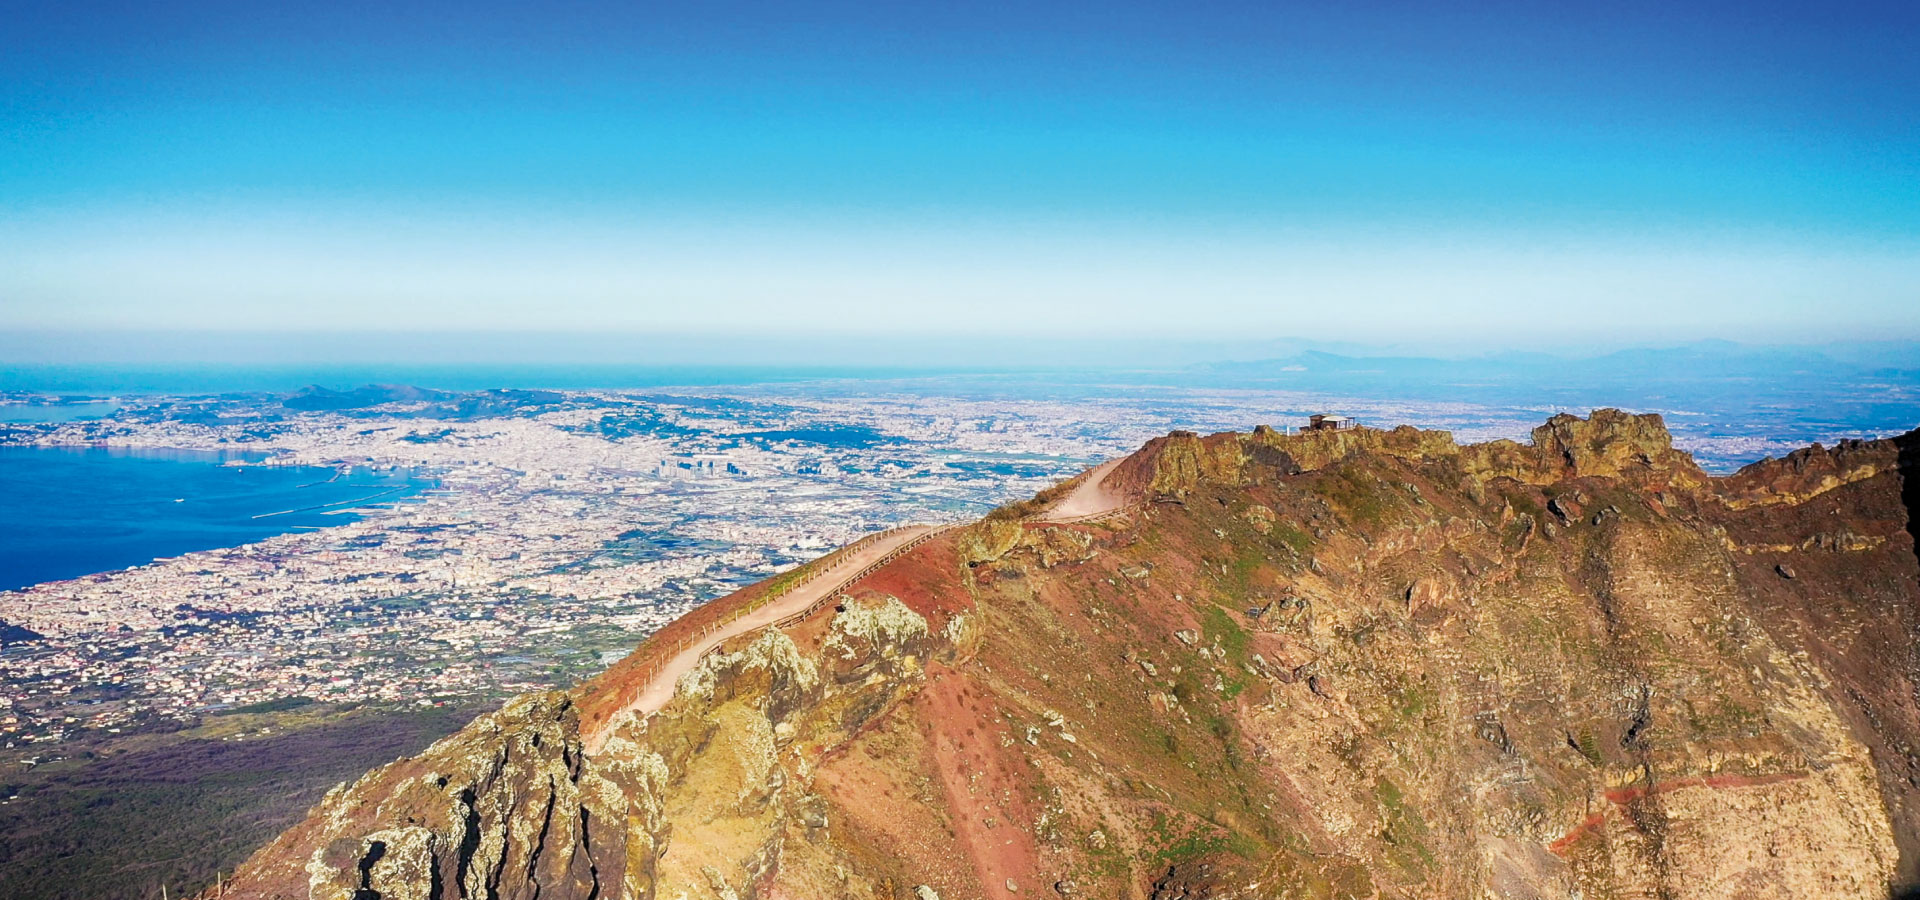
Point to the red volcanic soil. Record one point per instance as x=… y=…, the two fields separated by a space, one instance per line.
x=603 y=695
x=977 y=798
x=1621 y=797
x=985 y=782
x=922 y=578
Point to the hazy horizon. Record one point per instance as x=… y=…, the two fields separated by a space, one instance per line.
x=826 y=348
x=1467 y=175
x=367 y=365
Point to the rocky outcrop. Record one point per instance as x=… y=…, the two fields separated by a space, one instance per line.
x=1807 y=473
x=513 y=807
x=510 y=807
x=989 y=539
x=1608 y=444
x=1636 y=449
x=1336 y=664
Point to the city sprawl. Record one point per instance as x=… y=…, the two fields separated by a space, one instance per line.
x=563 y=528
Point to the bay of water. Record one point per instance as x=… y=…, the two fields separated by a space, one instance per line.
x=68 y=512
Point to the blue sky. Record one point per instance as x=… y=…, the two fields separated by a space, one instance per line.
x=1407 y=172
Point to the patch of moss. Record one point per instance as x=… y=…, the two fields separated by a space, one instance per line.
x=1388 y=794
x=1728 y=718
x=1170 y=743
x=1177 y=845
x=1038 y=503
x=1218 y=626
x=1588 y=745
x=784 y=582
x=1221 y=727
x=1405 y=830
x=1362 y=496
x=1413 y=701
x=1285 y=534
x=1246 y=569
x=1186 y=686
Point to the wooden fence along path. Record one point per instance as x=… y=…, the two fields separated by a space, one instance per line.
x=869 y=569
x=821 y=568
x=666 y=660
x=1089 y=517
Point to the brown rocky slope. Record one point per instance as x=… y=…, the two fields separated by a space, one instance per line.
x=1355 y=664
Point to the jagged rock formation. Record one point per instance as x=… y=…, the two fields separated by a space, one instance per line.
x=1339 y=664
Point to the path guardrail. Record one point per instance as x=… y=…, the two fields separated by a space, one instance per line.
x=832 y=562
x=838 y=558
x=869 y=569
x=1089 y=517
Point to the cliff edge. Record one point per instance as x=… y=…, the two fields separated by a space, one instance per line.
x=1335 y=664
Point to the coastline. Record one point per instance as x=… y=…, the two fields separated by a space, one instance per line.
x=149 y=527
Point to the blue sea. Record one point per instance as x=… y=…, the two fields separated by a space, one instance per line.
x=67 y=512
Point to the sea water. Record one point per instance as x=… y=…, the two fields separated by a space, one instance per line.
x=68 y=512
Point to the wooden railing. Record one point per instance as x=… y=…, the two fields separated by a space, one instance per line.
x=808 y=574
x=869 y=569
x=832 y=562
x=1089 y=517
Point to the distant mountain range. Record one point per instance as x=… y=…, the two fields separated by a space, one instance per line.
x=314 y=398
x=437 y=404
x=1865 y=385
x=1692 y=363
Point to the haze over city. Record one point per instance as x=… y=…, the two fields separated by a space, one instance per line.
x=982 y=451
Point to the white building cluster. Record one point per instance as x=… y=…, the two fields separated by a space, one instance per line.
x=557 y=537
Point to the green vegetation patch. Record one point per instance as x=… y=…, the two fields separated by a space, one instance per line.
x=1180 y=841
x=1219 y=627
x=1405 y=831
x=1412 y=701
x=1286 y=534
x=1021 y=509
x=1588 y=744
x=1361 y=494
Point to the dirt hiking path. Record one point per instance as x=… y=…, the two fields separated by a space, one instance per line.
x=1092 y=498
x=659 y=688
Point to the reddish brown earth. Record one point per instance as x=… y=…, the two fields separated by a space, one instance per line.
x=654 y=684
x=1350 y=664
x=1625 y=797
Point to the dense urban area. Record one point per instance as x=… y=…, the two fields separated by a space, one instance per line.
x=560 y=529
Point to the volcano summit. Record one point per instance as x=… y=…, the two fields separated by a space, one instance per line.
x=1356 y=663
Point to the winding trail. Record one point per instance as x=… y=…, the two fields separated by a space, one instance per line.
x=1090 y=500
x=844 y=571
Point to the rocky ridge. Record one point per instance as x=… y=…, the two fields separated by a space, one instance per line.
x=1343 y=664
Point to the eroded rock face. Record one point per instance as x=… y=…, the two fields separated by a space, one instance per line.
x=989 y=540
x=1610 y=444
x=508 y=807
x=1807 y=473
x=1364 y=663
